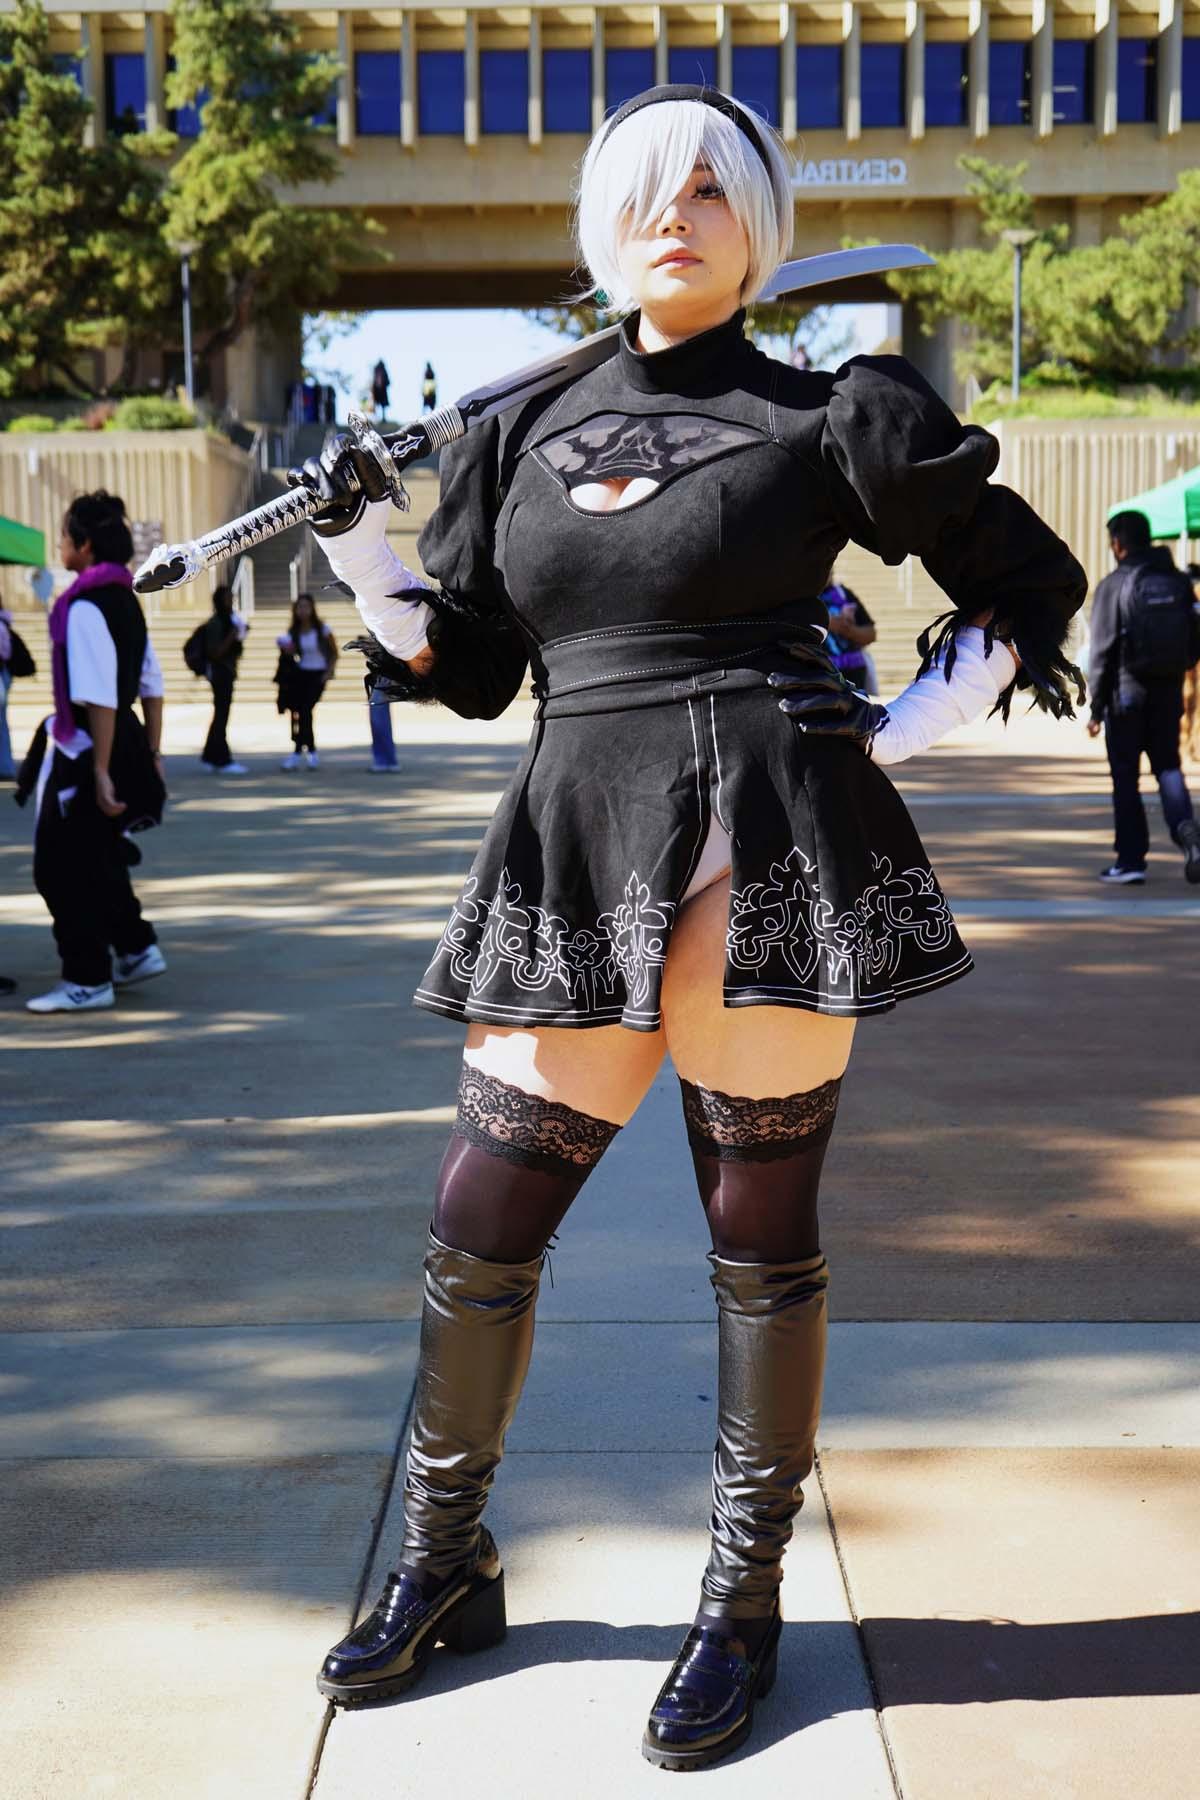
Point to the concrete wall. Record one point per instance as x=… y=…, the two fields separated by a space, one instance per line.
x=1074 y=471
x=187 y=481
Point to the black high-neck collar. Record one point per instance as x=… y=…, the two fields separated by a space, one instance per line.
x=704 y=363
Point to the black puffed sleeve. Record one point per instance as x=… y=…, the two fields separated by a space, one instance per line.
x=905 y=477
x=480 y=654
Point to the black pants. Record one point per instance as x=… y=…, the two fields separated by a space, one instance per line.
x=308 y=686
x=1152 y=730
x=216 y=744
x=81 y=870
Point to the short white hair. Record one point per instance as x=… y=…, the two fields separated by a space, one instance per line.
x=630 y=174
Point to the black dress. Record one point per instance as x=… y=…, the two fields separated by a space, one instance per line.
x=650 y=631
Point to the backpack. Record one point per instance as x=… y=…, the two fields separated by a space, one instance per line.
x=1159 y=624
x=193 y=651
x=20 y=663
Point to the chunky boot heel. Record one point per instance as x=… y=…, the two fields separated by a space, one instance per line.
x=478 y=1622
x=766 y=1680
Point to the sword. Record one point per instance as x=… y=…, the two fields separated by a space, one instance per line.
x=171 y=565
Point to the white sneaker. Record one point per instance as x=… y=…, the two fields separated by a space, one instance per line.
x=291 y=762
x=68 y=996
x=312 y=759
x=234 y=768
x=146 y=963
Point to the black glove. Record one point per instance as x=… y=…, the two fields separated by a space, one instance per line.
x=823 y=702
x=326 y=477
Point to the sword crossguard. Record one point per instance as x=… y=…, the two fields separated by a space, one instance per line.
x=369 y=443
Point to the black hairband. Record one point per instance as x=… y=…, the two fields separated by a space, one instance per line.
x=686 y=90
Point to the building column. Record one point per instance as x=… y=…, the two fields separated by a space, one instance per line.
x=155 y=54
x=535 y=75
x=1041 y=99
x=91 y=68
x=597 y=69
x=725 y=48
x=346 y=121
x=914 y=68
x=471 y=80
x=787 y=54
x=409 y=114
x=661 y=46
x=1170 y=67
x=1087 y=224
x=1105 y=103
x=851 y=71
x=977 y=68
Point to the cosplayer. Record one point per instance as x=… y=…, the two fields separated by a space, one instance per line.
x=96 y=770
x=699 y=854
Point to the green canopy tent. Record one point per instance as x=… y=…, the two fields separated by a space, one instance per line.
x=22 y=544
x=1172 y=509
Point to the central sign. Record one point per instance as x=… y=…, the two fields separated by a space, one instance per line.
x=853 y=171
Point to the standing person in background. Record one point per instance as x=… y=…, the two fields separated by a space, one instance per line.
x=307 y=660
x=97 y=771
x=380 y=387
x=429 y=388
x=851 y=629
x=8 y=769
x=1145 y=636
x=224 y=635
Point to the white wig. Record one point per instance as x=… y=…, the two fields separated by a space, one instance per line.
x=631 y=173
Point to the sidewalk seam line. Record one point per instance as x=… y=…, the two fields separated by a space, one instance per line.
x=385 y=1501
x=862 y=1641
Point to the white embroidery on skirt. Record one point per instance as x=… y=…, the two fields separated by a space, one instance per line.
x=537 y=949
x=785 y=918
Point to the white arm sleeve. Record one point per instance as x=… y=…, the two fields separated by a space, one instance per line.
x=150 y=687
x=931 y=706
x=91 y=657
x=386 y=593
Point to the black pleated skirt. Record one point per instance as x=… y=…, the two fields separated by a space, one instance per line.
x=567 y=914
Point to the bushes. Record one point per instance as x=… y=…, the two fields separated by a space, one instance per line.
x=144 y=412
x=149 y=412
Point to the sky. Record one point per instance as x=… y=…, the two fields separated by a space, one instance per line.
x=470 y=347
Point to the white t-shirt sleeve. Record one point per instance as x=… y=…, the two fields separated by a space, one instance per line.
x=150 y=687
x=91 y=657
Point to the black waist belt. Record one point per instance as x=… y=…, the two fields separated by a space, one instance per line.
x=655 y=663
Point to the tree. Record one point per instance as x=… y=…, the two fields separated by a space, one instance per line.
x=258 y=256
x=1100 y=311
x=80 y=257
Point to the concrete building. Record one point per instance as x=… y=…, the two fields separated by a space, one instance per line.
x=460 y=128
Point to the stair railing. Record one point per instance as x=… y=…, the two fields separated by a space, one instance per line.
x=300 y=567
x=243 y=588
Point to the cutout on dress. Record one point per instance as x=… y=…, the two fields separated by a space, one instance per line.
x=620 y=452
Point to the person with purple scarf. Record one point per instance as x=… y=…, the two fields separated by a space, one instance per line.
x=96 y=768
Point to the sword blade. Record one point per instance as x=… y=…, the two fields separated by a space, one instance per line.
x=843 y=265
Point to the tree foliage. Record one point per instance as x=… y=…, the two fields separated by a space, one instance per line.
x=1104 y=311
x=81 y=257
x=259 y=256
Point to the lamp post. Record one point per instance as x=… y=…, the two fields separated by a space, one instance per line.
x=185 y=250
x=1018 y=240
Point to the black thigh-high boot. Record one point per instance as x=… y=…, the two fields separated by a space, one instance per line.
x=512 y=1169
x=772 y=1330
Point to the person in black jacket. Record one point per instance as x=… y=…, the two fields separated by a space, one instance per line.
x=223 y=637
x=1136 y=681
x=699 y=851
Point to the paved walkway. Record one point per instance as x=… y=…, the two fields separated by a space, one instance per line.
x=215 y=1200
